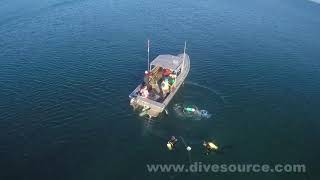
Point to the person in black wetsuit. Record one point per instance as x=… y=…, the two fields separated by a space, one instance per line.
x=172 y=143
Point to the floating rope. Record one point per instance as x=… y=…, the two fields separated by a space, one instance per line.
x=188 y=149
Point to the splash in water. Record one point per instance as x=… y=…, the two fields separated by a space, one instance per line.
x=191 y=111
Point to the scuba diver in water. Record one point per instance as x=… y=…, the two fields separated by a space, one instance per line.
x=196 y=113
x=172 y=143
x=209 y=147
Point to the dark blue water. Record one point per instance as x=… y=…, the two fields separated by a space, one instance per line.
x=67 y=67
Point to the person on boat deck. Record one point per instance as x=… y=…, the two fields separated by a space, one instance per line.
x=144 y=92
x=146 y=78
x=172 y=79
x=173 y=75
x=166 y=72
x=165 y=86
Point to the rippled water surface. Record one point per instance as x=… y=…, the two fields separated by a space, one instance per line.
x=67 y=67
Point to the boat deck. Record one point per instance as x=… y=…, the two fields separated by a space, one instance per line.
x=157 y=103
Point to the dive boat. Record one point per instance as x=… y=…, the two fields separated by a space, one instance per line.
x=163 y=67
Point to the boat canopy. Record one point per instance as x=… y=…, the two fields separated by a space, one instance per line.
x=167 y=61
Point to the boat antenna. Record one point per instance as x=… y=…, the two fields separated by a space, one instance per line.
x=184 y=50
x=148 y=55
x=184 y=55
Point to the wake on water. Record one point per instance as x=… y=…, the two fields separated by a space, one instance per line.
x=187 y=111
x=217 y=93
